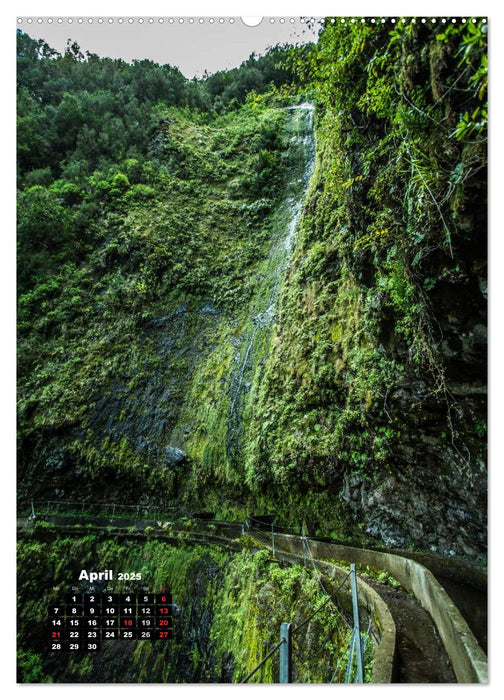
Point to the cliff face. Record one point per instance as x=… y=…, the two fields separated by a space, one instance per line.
x=374 y=399
x=224 y=347
x=149 y=352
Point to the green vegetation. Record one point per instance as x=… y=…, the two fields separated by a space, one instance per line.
x=134 y=262
x=359 y=386
x=230 y=607
x=378 y=575
x=30 y=668
x=173 y=351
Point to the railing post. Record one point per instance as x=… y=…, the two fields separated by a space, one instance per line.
x=350 y=657
x=33 y=510
x=303 y=535
x=273 y=538
x=356 y=633
x=285 y=653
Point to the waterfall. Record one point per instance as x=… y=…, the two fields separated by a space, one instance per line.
x=265 y=306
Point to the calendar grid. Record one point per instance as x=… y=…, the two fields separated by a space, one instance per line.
x=82 y=621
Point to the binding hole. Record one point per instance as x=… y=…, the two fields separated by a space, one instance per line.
x=251 y=21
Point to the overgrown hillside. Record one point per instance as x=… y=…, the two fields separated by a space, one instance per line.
x=136 y=278
x=183 y=339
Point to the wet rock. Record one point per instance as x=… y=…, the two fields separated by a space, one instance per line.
x=58 y=462
x=164 y=320
x=172 y=455
x=266 y=597
x=447 y=351
x=209 y=309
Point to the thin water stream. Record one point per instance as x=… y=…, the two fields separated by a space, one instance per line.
x=264 y=307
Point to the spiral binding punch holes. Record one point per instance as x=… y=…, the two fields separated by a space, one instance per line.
x=32 y=22
x=198 y=46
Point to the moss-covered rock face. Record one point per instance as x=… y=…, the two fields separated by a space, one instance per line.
x=148 y=349
x=228 y=611
x=374 y=396
x=223 y=321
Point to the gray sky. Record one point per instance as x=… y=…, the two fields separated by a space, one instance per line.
x=192 y=46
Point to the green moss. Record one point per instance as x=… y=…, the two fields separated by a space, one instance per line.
x=229 y=610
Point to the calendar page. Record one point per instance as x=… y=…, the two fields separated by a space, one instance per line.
x=252 y=349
